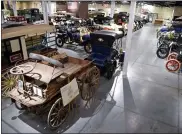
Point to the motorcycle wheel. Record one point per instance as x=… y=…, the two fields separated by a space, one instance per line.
x=59 y=41
x=172 y=65
x=162 y=53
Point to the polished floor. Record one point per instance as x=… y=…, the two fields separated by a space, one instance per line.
x=148 y=100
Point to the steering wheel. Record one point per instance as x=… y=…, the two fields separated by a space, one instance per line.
x=21 y=69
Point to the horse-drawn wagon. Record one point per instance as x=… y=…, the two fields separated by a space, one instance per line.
x=52 y=82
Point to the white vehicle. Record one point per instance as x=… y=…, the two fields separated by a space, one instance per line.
x=110 y=25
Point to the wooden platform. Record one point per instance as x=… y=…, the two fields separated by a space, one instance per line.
x=46 y=73
x=26 y=101
x=29 y=30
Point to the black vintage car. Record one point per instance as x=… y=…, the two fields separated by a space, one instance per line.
x=106 y=46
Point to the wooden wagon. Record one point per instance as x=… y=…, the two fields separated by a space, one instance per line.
x=53 y=81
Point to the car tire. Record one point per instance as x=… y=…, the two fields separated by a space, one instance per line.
x=59 y=41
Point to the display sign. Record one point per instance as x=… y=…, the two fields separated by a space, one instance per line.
x=72 y=5
x=69 y=92
x=16 y=57
x=37 y=91
x=15 y=45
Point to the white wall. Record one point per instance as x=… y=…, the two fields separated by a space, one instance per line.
x=178 y=11
x=163 y=12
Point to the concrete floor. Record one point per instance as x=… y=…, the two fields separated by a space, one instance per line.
x=149 y=100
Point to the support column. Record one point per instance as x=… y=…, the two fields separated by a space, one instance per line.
x=44 y=10
x=14 y=7
x=129 y=37
x=172 y=16
x=49 y=7
x=112 y=8
x=2 y=17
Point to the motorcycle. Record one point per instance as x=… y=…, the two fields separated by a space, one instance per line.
x=167 y=47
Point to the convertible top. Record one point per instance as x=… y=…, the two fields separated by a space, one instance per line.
x=107 y=33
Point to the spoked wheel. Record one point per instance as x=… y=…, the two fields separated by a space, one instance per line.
x=57 y=114
x=172 y=56
x=8 y=82
x=88 y=48
x=172 y=65
x=59 y=41
x=162 y=52
x=89 y=83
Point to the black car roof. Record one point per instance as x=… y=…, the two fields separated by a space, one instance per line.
x=111 y=33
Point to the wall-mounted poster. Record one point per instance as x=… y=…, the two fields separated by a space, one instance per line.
x=73 y=6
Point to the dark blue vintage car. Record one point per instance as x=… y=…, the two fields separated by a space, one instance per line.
x=69 y=35
x=106 y=51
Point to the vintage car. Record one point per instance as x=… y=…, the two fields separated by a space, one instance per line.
x=106 y=49
x=51 y=83
x=31 y=15
x=108 y=24
x=80 y=35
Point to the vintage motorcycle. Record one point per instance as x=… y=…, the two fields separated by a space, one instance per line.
x=168 y=45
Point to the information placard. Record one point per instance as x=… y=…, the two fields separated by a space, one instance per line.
x=69 y=92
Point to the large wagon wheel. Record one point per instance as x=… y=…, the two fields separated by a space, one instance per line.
x=8 y=82
x=89 y=83
x=57 y=114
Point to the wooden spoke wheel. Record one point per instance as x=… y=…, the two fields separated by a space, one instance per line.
x=90 y=83
x=172 y=65
x=8 y=82
x=172 y=56
x=57 y=114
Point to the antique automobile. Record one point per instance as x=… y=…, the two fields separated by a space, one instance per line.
x=51 y=83
x=96 y=14
x=31 y=15
x=106 y=49
x=108 y=24
x=80 y=35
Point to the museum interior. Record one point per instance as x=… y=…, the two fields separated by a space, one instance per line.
x=91 y=66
